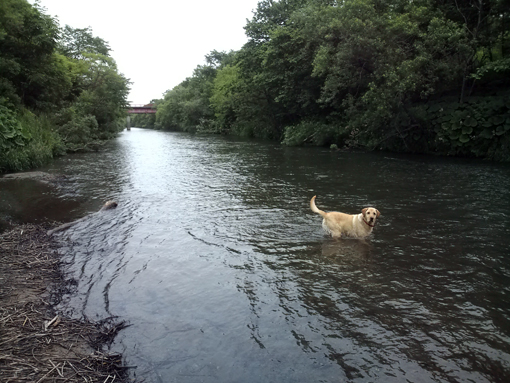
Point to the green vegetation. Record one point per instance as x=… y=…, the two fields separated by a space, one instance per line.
x=427 y=76
x=59 y=88
x=143 y=120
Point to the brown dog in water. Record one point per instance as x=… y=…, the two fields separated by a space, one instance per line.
x=338 y=224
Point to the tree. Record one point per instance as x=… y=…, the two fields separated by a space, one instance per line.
x=98 y=98
x=223 y=99
x=268 y=16
x=31 y=73
x=49 y=85
x=75 y=42
x=361 y=72
x=187 y=106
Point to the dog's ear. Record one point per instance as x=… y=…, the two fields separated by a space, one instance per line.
x=363 y=211
x=378 y=213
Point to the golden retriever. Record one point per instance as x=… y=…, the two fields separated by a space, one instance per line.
x=356 y=226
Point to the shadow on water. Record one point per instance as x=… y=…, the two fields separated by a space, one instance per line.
x=31 y=201
x=224 y=273
x=81 y=184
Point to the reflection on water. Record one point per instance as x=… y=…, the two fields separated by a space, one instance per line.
x=226 y=276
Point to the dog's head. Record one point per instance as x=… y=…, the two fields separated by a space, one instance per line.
x=109 y=205
x=370 y=215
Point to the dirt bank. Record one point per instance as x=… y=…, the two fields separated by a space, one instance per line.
x=36 y=344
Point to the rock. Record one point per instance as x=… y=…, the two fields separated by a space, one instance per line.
x=39 y=176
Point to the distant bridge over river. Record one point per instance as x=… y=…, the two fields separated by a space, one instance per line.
x=141 y=109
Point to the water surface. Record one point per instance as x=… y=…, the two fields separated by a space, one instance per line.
x=225 y=275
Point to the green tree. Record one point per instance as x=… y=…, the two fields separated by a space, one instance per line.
x=96 y=104
x=74 y=42
x=385 y=74
x=31 y=73
x=53 y=80
x=143 y=120
x=187 y=106
x=224 y=97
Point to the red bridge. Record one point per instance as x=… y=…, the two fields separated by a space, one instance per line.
x=141 y=109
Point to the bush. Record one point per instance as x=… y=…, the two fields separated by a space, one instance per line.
x=313 y=132
x=11 y=132
x=478 y=127
x=27 y=141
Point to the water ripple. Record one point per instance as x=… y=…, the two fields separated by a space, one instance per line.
x=225 y=275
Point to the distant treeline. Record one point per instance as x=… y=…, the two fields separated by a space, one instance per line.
x=427 y=76
x=59 y=88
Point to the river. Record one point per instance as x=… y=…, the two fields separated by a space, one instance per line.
x=224 y=274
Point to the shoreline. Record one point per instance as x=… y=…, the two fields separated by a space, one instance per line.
x=36 y=343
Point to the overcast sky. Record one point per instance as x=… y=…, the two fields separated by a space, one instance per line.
x=158 y=43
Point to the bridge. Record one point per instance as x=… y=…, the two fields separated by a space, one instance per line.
x=141 y=109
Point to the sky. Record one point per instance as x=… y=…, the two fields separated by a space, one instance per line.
x=158 y=43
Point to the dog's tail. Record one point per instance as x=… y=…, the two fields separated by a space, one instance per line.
x=314 y=208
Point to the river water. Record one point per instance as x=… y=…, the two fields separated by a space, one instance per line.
x=224 y=274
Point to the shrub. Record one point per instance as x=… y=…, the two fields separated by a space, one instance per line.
x=26 y=140
x=313 y=132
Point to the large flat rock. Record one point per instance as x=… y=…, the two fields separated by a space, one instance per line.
x=40 y=176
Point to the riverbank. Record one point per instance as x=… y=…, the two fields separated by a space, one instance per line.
x=37 y=344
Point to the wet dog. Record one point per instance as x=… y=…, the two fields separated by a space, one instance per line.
x=107 y=206
x=339 y=224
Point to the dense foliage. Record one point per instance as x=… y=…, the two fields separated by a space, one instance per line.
x=59 y=88
x=143 y=120
x=426 y=76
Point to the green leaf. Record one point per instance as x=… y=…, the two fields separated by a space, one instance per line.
x=467 y=130
x=470 y=121
x=486 y=133
x=500 y=130
x=10 y=134
x=454 y=135
x=497 y=120
x=460 y=115
x=464 y=138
